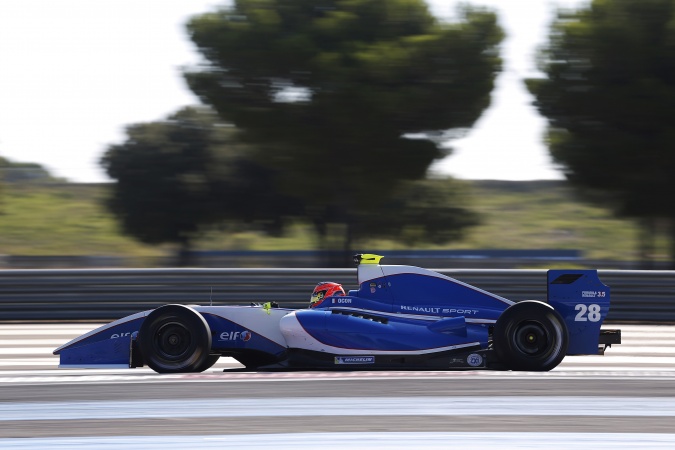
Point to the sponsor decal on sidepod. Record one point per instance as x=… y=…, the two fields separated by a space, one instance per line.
x=354 y=360
x=234 y=335
x=474 y=360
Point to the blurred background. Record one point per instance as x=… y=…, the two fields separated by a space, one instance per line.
x=511 y=134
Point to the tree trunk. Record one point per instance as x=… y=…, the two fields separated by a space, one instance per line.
x=347 y=250
x=322 y=244
x=647 y=232
x=183 y=258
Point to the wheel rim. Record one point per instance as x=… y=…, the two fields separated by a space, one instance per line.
x=531 y=338
x=173 y=341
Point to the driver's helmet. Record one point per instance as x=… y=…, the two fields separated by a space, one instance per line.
x=323 y=290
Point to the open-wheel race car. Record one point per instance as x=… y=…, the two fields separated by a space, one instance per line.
x=400 y=317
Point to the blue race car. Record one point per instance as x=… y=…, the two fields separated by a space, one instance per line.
x=401 y=317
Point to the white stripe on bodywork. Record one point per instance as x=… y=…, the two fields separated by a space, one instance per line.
x=103 y=328
x=401 y=270
x=254 y=318
x=368 y=272
x=297 y=337
x=407 y=316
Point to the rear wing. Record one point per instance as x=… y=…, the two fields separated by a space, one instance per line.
x=583 y=302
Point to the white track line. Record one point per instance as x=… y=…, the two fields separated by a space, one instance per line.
x=342 y=406
x=370 y=440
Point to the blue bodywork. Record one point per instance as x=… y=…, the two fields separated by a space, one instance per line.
x=399 y=316
x=583 y=302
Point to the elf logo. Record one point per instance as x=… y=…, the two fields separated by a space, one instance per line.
x=236 y=335
x=119 y=335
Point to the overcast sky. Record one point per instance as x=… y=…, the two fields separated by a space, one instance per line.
x=74 y=73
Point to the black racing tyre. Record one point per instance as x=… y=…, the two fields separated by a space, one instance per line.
x=531 y=336
x=175 y=338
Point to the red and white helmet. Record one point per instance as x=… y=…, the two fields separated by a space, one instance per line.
x=323 y=290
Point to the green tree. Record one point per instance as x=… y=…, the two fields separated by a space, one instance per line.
x=345 y=98
x=18 y=172
x=422 y=211
x=609 y=94
x=176 y=176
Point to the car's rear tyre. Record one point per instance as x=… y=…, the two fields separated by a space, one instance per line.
x=530 y=335
x=175 y=338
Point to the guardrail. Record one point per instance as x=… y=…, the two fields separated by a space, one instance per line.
x=103 y=294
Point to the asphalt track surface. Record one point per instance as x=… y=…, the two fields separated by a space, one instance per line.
x=624 y=399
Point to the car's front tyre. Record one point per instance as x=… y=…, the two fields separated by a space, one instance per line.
x=175 y=338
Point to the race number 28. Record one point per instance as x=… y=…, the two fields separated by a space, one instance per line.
x=587 y=313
